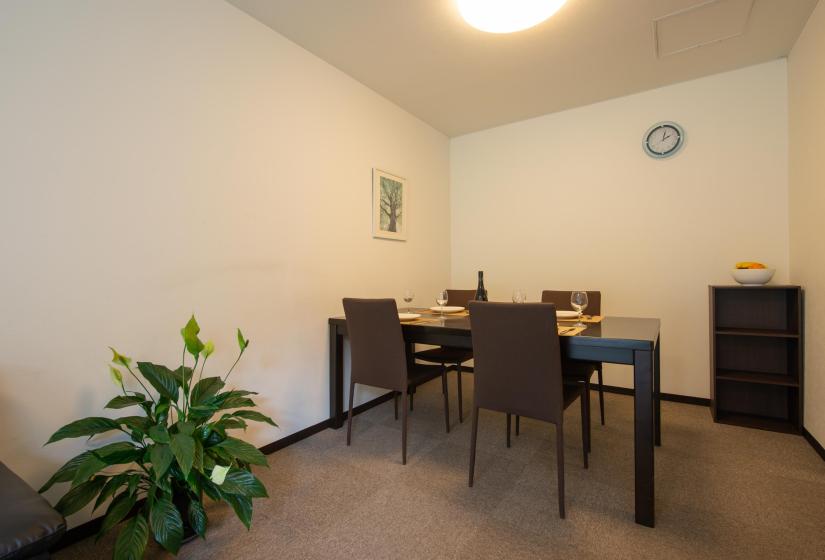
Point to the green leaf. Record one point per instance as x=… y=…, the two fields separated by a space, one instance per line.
x=206 y=388
x=208 y=348
x=139 y=423
x=87 y=468
x=242 y=343
x=254 y=416
x=118 y=510
x=132 y=539
x=242 y=506
x=118 y=453
x=85 y=427
x=243 y=451
x=183 y=447
x=186 y=428
x=190 y=337
x=167 y=525
x=126 y=401
x=183 y=375
x=243 y=482
x=159 y=434
x=236 y=402
x=66 y=472
x=161 y=378
x=112 y=485
x=161 y=457
x=118 y=358
x=197 y=518
x=80 y=495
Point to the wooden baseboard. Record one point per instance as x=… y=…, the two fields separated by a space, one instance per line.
x=814 y=443
x=671 y=397
x=91 y=527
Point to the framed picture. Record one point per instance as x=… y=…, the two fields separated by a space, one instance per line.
x=389 y=206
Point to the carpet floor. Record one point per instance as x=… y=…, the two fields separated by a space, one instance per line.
x=721 y=492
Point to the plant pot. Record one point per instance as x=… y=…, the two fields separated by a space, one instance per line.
x=181 y=501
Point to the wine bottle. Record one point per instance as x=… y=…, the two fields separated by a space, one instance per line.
x=481 y=291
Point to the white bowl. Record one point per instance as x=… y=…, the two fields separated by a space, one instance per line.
x=752 y=276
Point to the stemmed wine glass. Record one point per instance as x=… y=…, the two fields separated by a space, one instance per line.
x=409 y=295
x=519 y=295
x=578 y=300
x=441 y=300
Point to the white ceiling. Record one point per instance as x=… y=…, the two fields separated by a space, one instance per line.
x=421 y=55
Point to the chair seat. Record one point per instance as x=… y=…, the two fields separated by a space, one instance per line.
x=445 y=355
x=418 y=374
x=574 y=370
x=29 y=526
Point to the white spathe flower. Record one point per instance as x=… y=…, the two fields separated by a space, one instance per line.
x=219 y=474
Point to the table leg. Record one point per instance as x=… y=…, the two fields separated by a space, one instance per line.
x=336 y=378
x=657 y=404
x=644 y=435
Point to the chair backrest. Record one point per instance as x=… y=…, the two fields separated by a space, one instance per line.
x=377 y=350
x=461 y=298
x=517 y=359
x=561 y=299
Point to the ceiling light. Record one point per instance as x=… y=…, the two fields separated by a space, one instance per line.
x=507 y=16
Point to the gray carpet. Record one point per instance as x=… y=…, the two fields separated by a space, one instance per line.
x=721 y=492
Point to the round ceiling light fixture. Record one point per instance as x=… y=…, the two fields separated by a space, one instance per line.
x=507 y=16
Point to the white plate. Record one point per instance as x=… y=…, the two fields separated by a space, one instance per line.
x=567 y=314
x=447 y=309
x=408 y=316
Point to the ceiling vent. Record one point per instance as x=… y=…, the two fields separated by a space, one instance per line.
x=700 y=25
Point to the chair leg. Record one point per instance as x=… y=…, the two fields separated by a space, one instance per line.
x=601 y=393
x=460 y=394
x=508 y=429
x=586 y=397
x=446 y=394
x=585 y=443
x=518 y=424
x=473 y=439
x=395 y=403
x=411 y=401
x=404 y=432
x=349 y=415
x=560 y=466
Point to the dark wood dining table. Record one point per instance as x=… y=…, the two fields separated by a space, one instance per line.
x=616 y=340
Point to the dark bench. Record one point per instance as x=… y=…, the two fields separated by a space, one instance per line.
x=29 y=526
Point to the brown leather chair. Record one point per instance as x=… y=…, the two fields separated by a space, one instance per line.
x=518 y=370
x=583 y=373
x=448 y=356
x=379 y=358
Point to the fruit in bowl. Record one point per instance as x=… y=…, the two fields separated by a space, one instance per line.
x=750 y=273
x=749 y=265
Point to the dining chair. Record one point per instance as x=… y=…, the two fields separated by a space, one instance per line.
x=448 y=356
x=518 y=370
x=561 y=299
x=379 y=358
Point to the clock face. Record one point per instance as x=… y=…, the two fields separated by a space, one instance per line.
x=663 y=139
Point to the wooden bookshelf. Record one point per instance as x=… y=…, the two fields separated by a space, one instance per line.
x=756 y=368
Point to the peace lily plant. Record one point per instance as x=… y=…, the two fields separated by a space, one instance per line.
x=178 y=450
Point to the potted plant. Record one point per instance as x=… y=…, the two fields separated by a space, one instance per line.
x=173 y=453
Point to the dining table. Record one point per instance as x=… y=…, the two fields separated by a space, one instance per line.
x=617 y=340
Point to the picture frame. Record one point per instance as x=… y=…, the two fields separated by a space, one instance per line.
x=389 y=206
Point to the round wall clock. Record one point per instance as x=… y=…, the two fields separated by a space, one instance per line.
x=663 y=139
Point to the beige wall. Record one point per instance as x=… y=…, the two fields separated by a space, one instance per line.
x=161 y=158
x=806 y=98
x=570 y=200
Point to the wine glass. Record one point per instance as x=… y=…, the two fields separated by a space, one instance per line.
x=441 y=300
x=409 y=295
x=578 y=300
x=519 y=295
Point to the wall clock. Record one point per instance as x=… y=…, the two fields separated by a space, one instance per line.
x=663 y=139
